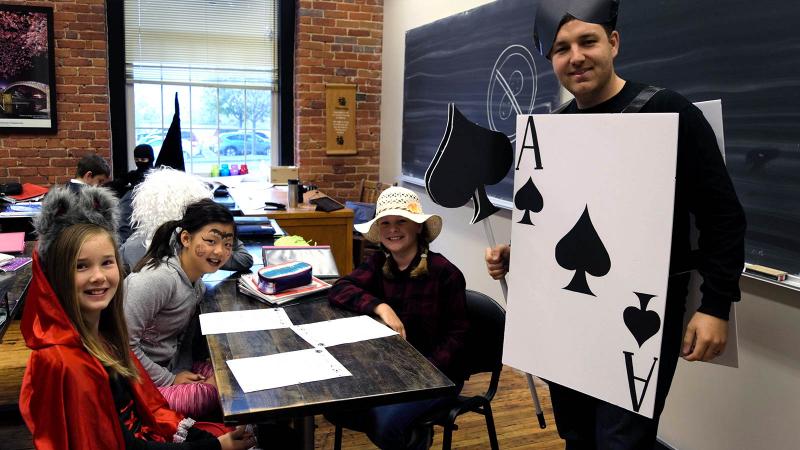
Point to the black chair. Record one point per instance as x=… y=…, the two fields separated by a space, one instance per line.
x=484 y=345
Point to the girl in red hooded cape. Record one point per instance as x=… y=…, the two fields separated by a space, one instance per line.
x=83 y=389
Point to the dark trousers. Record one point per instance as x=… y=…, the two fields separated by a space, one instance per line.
x=586 y=423
x=390 y=427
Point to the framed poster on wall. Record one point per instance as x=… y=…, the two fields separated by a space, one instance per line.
x=27 y=69
x=340 y=119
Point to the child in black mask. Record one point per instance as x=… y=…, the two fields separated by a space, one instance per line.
x=143 y=157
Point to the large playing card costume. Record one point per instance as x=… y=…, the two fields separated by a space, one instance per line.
x=589 y=277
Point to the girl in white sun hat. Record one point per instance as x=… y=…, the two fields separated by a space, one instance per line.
x=416 y=292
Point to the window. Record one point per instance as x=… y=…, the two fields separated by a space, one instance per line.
x=220 y=58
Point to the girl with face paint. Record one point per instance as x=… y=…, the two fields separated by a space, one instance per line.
x=164 y=291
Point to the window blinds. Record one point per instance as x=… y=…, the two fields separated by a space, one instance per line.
x=214 y=42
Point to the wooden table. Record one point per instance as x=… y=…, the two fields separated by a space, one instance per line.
x=13 y=286
x=325 y=228
x=13 y=352
x=386 y=370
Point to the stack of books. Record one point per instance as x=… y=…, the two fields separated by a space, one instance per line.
x=248 y=284
x=255 y=226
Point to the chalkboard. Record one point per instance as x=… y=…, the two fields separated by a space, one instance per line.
x=745 y=53
x=483 y=60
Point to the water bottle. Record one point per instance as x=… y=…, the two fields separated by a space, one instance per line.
x=292 y=192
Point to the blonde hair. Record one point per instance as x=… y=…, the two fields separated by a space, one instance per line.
x=110 y=347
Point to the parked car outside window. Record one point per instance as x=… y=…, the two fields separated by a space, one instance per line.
x=239 y=143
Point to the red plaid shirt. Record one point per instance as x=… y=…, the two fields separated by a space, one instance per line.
x=431 y=307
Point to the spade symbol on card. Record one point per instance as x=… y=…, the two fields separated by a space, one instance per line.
x=643 y=324
x=582 y=250
x=528 y=199
x=469 y=158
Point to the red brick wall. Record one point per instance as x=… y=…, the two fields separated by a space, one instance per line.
x=81 y=95
x=338 y=41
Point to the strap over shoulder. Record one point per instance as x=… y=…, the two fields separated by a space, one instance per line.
x=641 y=99
x=634 y=106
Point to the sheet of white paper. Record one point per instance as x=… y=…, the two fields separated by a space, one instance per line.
x=342 y=331
x=247 y=320
x=712 y=110
x=251 y=196
x=286 y=369
x=572 y=318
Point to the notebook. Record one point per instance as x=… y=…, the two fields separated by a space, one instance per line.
x=254 y=226
x=12 y=242
x=14 y=263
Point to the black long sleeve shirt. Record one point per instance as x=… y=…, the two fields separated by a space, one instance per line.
x=702 y=188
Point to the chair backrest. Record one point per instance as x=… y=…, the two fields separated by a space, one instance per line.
x=484 y=341
x=370 y=190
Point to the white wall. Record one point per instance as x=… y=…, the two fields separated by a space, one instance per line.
x=756 y=406
x=462 y=243
x=710 y=408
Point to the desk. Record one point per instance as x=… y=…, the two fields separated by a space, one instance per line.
x=18 y=221
x=13 y=352
x=386 y=370
x=325 y=228
x=13 y=286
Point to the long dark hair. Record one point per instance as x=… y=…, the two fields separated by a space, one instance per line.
x=197 y=215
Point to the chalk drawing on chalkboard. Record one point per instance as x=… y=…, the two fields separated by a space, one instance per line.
x=513 y=82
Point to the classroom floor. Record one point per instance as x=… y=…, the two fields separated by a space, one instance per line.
x=517 y=428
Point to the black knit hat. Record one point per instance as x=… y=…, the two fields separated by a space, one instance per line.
x=551 y=12
x=144 y=151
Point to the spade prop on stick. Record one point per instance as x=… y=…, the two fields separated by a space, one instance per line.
x=582 y=250
x=469 y=158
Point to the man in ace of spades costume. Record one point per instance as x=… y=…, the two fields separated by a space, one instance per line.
x=580 y=39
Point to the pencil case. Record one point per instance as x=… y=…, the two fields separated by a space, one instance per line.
x=280 y=277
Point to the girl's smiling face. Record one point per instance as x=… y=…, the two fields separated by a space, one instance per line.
x=206 y=250
x=96 y=274
x=398 y=234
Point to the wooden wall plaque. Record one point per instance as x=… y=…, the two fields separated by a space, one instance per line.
x=340 y=119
